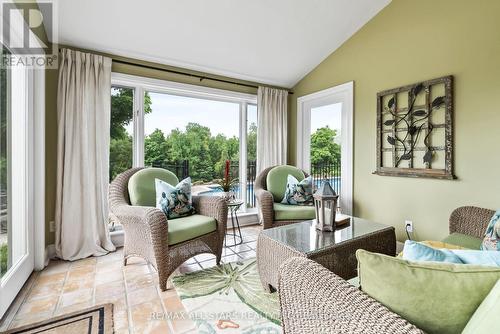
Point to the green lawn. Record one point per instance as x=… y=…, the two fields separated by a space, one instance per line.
x=3 y=259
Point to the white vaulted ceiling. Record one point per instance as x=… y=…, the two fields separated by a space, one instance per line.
x=275 y=42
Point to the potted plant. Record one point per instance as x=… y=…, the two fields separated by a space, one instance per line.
x=227 y=183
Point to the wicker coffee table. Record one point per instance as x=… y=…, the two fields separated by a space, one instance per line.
x=334 y=250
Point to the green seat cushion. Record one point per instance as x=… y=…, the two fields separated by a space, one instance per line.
x=141 y=185
x=436 y=297
x=190 y=227
x=463 y=240
x=485 y=319
x=293 y=212
x=277 y=178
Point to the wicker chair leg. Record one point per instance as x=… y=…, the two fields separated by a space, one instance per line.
x=163 y=276
x=218 y=255
x=125 y=256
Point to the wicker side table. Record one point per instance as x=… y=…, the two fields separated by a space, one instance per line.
x=333 y=250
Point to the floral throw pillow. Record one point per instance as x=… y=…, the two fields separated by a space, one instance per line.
x=175 y=201
x=491 y=239
x=298 y=193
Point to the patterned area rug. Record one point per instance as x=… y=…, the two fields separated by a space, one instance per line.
x=229 y=299
x=95 y=320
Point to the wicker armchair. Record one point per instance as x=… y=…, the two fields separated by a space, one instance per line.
x=315 y=300
x=470 y=220
x=146 y=230
x=265 y=202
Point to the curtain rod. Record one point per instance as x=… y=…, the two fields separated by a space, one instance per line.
x=201 y=77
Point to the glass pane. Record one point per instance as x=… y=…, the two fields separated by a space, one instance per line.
x=5 y=259
x=121 y=130
x=192 y=137
x=251 y=153
x=305 y=238
x=325 y=144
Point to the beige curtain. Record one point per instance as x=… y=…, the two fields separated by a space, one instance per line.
x=272 y=127
x=83 y=108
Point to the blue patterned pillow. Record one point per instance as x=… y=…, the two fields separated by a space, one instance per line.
x=298 y=193
x=175 y=201
x=491 y=239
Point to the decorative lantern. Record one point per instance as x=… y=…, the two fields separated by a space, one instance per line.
x=325 y=203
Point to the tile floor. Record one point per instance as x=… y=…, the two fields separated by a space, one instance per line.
x=65 y=287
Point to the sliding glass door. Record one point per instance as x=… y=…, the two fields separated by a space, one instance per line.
x=16 y=199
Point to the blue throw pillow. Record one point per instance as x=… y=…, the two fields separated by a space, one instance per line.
x=175 y=201
x=415 y=251
x=491 y=239
x=298 y=193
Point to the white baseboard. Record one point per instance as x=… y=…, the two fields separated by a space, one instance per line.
x=247 y=218
x=50 y=253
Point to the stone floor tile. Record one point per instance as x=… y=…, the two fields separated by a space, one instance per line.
x=142 y=296
x=110 y=289
x=114 y=276
x=42 y=305
x=140 y=282
x=76 y=297
x=45 y=290
x=204 y=257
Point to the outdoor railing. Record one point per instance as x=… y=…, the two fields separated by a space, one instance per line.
x=326 y=171
x=320 y=172
x=182 y=170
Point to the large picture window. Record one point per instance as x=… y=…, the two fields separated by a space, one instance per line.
x=189 y=130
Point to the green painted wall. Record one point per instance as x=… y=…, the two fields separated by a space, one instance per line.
x=51 y=117
x=406 y=42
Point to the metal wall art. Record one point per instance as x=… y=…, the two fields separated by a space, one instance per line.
x=415 y=130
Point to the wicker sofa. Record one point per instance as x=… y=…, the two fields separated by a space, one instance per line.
x=315 y=300
x=147 y=229
x=271 y=212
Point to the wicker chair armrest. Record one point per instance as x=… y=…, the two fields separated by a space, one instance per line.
x=265 y=202
x=470 y=220
x=315 y=300
x=154 y=223
x=139 y=214
x=212 y=206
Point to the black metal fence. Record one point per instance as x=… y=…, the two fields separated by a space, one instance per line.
x=251 y=175
x=323 y=171
x=326 y=171
x=181 y=170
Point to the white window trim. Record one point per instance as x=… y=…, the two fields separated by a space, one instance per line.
x=142 y=84
x=33 y=106
x=342 y=93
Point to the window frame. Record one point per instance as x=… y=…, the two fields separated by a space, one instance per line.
x=145 y=84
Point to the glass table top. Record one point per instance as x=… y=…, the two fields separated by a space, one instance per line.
x=305 y=238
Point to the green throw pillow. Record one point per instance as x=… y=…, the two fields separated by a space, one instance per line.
x=436 y=297
x=485 y=319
